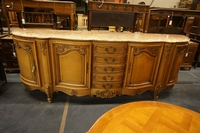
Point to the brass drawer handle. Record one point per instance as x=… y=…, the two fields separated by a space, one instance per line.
x=112 y=69
x=107 y=86
x=108 y=61
x=110 y=50
x=105 y=78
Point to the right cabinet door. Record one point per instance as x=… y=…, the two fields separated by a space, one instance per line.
x=142 y=67
x=71 y=62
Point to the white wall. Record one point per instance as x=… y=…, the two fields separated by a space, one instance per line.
x=158 y=3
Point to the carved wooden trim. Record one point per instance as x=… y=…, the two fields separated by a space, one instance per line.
x=180 y=50
x=157 y=90
x=63 y=49
x=153 y=51
x=43 y=46
x=27 y=47
x=107 y=93
x=168 y=50
x=74 y=92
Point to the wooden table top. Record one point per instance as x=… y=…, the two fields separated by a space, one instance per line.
x=147 y=117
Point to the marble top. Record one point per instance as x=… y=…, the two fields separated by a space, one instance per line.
x=100 y=35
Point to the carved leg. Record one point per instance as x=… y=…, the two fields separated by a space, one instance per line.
x=157 y=90
x=49 y=93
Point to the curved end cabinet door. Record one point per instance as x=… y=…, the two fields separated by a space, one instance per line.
x=179 y=54
x=142 y=67
x=27 y=59
x=71 y=66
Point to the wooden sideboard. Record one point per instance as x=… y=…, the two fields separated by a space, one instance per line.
x=188 y=60
x=37 y=13
x=9 y=54
x=104 y=14
x=98 y=63
x=169 y=20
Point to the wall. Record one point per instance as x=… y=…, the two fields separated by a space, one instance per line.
x=158 y=3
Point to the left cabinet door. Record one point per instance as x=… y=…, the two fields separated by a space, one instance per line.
x=28 y=62
x=71 y=61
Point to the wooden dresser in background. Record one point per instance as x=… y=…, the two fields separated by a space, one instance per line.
x=9 y=55
x=104 y=14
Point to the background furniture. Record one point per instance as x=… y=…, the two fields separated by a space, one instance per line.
x=188 y=60
x=2 y=74
x=104 y=14
x=35 y=13
x=9 y=54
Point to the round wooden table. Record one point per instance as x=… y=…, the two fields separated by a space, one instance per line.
x=147 y=117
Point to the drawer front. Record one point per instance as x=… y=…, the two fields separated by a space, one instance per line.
x=109 y=59
x=108 y=69
x=107 y=77
x=98 y=5
x=108 y=49
x=120 y=7
x=13 y=5
x=12 y=64
x=107 y=85
x=34 y=4
x=63 y=8
x=10 y=57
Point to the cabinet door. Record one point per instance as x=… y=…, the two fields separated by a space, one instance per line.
x=28 y=63
x=142 y=67
x=71 y=66
x=179 y=53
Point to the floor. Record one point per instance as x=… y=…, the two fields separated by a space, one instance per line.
x=24 y=111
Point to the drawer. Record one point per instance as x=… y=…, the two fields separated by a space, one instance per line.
x=120 y=7
x=97 y=5
x=141 y=8
x=35 y=4
x=108 y=69
x=109 y=59
x=10 y=57
x=107 y=85
x=13 y=5
x=12 y=64
x=107 y=77
x=110 y=49
x=64 y=8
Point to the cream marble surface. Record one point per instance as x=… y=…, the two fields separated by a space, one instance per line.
x=98 y=35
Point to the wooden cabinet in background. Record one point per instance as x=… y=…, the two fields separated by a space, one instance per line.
x=188 y=60
x=104 y=14
x=9 y=54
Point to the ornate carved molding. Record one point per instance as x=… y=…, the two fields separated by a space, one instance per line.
x=43 y=46
x=157 y=90
x=27 y=47
x=74 y=92
x=63 y=49
x=180 y=50
x=153 y=51
x=168 y=50
x=107 y=93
